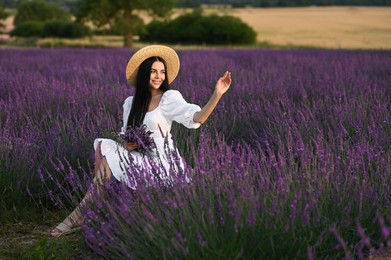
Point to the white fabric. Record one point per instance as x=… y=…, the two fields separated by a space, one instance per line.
x=172 y=107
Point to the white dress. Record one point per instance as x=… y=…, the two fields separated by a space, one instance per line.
x=172 y=107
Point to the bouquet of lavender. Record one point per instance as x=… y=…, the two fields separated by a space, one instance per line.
x=141 y=136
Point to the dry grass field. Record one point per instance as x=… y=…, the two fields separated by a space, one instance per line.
x=325 y=27
x=329 y=27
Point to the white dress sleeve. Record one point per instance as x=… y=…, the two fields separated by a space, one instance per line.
x=127 y=107
x=175 y=108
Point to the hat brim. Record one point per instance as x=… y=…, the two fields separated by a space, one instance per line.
x=166 y=53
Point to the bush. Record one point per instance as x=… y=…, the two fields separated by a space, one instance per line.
x=3 y=15
x=28 y=29
x=40 y=12
x=228 y=29
x=57 y=29
x=65 y=30
x=198 y=29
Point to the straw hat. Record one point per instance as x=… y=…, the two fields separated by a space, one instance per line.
x=166 y=53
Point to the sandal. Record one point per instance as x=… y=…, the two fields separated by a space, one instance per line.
x=63 y=229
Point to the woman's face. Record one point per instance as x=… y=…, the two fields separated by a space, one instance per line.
x=158 y=75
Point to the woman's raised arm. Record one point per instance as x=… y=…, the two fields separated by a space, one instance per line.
x=222 y=86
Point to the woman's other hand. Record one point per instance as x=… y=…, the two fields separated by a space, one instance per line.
x=223 y=83
x=131 y=146
x=222 y=86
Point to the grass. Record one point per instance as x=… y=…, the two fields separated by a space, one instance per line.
x=94 y=41
x=114 y=41
x=26 y=236
x=25 y=226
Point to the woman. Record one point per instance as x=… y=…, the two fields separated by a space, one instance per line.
x=151 y=70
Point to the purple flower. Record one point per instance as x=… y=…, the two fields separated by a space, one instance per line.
x=385 y=231
x=201 y=239
x=141 y=136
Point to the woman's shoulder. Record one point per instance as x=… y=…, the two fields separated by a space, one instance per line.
x=172 y=99
x=171 y=95
x=128 y=99
x=171 y=92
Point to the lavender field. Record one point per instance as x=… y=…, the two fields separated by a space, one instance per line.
x=295 y=163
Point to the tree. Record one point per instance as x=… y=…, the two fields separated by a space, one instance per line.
x=189 y=3
x=107 y=12
x=39 y=11
x=3 y=15
x=10 y=3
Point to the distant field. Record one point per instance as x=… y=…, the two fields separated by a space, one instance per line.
x=330 y=27
x=326 y=27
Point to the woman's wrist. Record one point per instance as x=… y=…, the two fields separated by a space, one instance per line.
x=217 y=94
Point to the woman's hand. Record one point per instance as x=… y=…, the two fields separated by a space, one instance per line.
x=131 y=146
x=222 y=86
x=223 y=83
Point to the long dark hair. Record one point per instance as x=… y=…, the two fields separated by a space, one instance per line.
x=142 y=97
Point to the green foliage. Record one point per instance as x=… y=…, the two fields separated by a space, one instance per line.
x=10 y=3
x=58 y=29
x=40 y=12
x=294 y=3
x=28 y=238
x=119 y=27
x=71 y=4
x=238 y=3
x=62 y=29
x=242 y=3
x=188 y=3
x=28 y=29
x=57 y=249
x=3 y=15
x=118 y=14
x=195 y=28
x=105 y=12
x=157 y=7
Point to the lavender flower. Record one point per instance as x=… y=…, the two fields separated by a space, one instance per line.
x=141 y=136
x=310 y=129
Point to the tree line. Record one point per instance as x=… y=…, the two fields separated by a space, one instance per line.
x=70 y=5
x=283 y=3
x=39 y=19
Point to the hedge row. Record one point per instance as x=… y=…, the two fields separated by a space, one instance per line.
x=60 y=29
x=196 y=28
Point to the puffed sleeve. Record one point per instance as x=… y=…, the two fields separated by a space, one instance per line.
x=127 y=107
x=175 y=108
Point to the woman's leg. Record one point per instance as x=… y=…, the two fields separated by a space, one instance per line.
x=102 y=174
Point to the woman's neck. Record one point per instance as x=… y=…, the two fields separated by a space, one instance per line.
x=156 y=92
